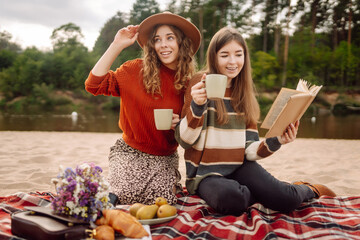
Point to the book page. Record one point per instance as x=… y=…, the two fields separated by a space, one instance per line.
x=314 y=90
x=304 y=86
x=279 y=103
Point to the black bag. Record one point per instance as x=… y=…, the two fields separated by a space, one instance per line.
x=41 y=223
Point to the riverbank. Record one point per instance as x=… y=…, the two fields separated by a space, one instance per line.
x=65 y=102
x=28 y=160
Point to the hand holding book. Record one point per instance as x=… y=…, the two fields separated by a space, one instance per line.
x=290 y=133
x=288 y=107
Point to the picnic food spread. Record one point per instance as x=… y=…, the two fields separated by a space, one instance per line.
x=104 y=232
x=121 y=222
x=159 y=209
x=115 y=220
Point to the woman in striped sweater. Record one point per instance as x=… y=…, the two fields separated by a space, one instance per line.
x=222 y=143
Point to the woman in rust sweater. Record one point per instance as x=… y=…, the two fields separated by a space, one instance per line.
x=143 y=163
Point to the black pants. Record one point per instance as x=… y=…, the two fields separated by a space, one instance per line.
x=250 y=184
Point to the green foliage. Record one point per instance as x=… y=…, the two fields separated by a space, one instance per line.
x=42 y=95
x=76 y=66
x=68 y=66
x=112 y=103
x=18 y=105
x=265 y=104
x=143 y=9
x=7 y=58
x=43 y=98
x=65 y=68
x=18 y=79
x=106 y=37
x=2 y=104
x=345 y=62
x=319 y=48
x=108 y=33
x=265 y=70
x=211 y=15
x=66 y=35
x=6 y=44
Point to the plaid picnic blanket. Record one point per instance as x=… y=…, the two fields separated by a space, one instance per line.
x=17 y=202
x=324 y=218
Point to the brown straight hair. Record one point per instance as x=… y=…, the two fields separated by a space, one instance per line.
x=243 y=98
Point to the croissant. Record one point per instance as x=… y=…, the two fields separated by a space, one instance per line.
x=104 y=232
x=123 y=223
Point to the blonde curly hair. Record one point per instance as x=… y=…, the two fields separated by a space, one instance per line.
x=151 y=63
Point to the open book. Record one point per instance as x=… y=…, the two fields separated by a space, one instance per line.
x=288 y=107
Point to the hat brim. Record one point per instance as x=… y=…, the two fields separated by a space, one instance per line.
x=167 y=18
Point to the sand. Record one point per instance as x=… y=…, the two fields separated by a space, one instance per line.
x=28 y=160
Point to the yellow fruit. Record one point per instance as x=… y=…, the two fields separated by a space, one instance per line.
x=147 y=212
x=160 y=201
x=134 y=208
x=166 y=210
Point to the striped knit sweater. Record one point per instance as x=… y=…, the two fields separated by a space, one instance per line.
x=137 y=106
x=213 y=149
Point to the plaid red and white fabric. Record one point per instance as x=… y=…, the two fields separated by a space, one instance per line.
x=17 y=202
x=324 y=218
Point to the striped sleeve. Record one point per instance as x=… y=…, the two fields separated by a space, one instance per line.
x=188 y=131
x=256 y=149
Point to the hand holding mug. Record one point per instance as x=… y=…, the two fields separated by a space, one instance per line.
x=198 y=92
x=175 y=120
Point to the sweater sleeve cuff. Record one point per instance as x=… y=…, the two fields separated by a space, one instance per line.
x=93 y=79
x=198 y=110
x=273 y=144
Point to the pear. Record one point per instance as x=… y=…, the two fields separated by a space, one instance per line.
x=134 y=208
x=160 y=201
x=166 y=210
x=147 y=212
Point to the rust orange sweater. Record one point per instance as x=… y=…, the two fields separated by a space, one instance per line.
x=137 y=106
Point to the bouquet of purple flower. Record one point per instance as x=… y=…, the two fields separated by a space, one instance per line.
x=82 y=193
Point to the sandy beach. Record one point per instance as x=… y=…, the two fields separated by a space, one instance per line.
x=28 y=160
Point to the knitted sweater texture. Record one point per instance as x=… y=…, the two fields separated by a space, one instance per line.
x=213 y=149
x=137 y=107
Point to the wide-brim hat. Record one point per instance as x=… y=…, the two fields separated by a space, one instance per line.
x=168 y=18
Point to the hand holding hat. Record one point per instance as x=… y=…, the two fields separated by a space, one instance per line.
x=126 y=36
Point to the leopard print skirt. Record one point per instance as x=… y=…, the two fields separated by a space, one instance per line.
x=135 y=176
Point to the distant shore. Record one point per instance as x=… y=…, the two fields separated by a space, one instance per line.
x=28 y=160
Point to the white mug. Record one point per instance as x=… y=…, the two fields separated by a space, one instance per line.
x=215 y=85
x=163 y=118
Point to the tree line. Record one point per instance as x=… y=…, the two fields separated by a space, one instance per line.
x=317 y=40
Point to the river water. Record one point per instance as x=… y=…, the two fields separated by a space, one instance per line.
x=322 y=126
